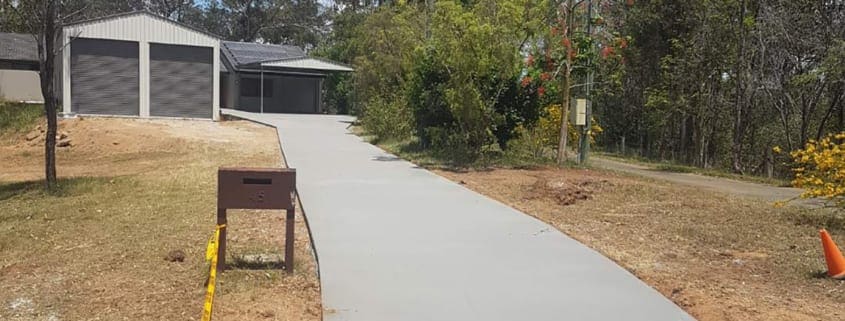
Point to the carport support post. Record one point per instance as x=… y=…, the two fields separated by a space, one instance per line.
x=262 y=88
x=289 y=241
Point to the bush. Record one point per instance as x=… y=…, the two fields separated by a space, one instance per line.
x=387 y=118
x=820 y=169
x=427 y=97
x=516 y=106
x=528 y=145
x=549 y=125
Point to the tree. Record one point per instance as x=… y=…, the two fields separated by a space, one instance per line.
x=171 y=9
x=566 y=46
x=44 y=20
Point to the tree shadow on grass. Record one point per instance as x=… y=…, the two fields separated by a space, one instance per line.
x=66 y=187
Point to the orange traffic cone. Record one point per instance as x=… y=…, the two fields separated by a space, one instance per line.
x=834 y=258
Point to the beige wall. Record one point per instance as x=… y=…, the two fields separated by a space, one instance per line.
x=20 y=85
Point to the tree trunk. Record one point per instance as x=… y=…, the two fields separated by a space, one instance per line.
x=564 y=114
x=47 y=55
x=739 y=105
x=567 y=83
x=842 y=117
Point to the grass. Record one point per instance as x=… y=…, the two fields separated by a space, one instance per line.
x=35 y=189
x=18 y=117
x=493 y=157
x=680 y=168
x=96 y=246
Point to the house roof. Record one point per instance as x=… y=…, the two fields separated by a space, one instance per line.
x=245 y=53
x=18 y=47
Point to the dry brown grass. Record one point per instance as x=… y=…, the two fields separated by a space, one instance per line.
x=132 y=191
x=717 y=256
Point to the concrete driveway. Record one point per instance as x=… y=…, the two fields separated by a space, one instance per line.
x=396 y=242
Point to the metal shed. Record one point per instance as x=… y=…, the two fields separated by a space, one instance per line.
x=140 y=64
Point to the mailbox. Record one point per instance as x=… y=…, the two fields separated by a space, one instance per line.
x=256 y=188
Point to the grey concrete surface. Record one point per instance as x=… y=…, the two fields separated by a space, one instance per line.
x=396 y=242
x=719 y=184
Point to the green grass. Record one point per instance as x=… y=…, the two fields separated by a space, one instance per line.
x=410 y=149
x=713 y=172
x=18 y=117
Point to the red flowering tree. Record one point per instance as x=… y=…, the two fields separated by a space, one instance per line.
x=567 y=47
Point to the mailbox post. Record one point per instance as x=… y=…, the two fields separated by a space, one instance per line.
x=256 y=188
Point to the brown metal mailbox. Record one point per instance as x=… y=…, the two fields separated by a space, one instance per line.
x=256 y=188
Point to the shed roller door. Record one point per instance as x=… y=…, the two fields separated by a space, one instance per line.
x=181 y=81
x=104 y=77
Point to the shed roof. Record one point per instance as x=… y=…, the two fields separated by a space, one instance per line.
x=18 y=47
x=141 y=12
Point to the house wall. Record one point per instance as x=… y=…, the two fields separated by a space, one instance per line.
x=20 y=86
x=144 y=29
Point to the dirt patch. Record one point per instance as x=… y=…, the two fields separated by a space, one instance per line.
x=116 y=146
x=125 y=236
x=720 y=257
x=566 y=191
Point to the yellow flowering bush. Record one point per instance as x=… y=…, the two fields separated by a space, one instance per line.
x=549 y=126
x=820 y=169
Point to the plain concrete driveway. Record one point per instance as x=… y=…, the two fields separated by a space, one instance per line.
x=396 y=242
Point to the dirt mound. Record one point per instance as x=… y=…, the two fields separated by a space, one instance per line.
x=565 y=191
x=37 y=135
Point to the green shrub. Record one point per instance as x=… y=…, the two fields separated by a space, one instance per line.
x=387 y=118
x=528 y=145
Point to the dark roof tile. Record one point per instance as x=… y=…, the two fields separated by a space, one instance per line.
x=18 y=46
x=245 y=53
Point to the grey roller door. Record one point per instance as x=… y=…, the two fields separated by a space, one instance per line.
x=181 y=81
x=104 y=77
x=295 y=95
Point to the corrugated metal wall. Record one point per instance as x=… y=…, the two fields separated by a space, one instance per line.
x=142 y=27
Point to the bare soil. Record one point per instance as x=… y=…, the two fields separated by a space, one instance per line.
x=718 y=256
x=136 y=196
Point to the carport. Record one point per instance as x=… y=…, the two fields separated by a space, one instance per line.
x=267 y=78
x=300 y=84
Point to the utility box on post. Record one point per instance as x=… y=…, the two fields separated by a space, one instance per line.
x=256 y=188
